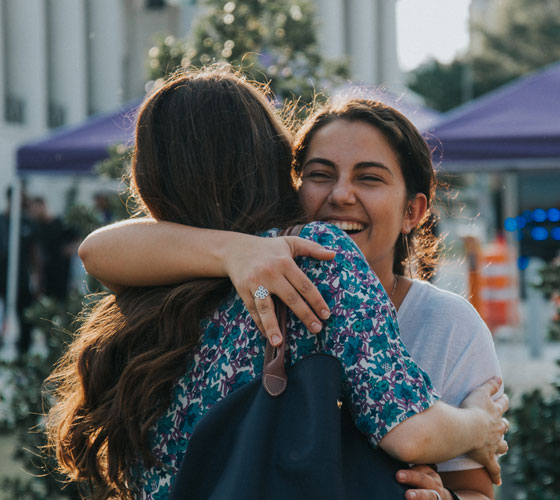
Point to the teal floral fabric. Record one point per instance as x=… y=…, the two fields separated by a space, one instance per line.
x=381 y=383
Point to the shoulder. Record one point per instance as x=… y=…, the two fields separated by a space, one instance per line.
x=441 y=306
x=437 y=323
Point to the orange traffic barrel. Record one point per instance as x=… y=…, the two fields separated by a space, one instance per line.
x=499 y=291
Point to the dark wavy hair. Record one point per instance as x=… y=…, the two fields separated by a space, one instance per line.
x=415 y=161
x=209 y=152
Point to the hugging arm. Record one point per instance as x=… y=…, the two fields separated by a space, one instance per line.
x=146 y=252
x=391 y=398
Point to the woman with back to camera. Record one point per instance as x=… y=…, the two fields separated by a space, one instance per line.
x=210 y=153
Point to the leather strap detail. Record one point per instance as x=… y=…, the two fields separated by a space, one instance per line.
x=274 y=378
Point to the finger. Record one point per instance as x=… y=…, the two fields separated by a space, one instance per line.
x=494 y=470
x=492 y=386
x=267 y=315
x=309 y=292
x=249 y=302
x=421 y=495
x=292 y=298
x=506 y=423
x=503 y=403
x=305 y=248
x=419 y=479
x=427 y=469
x=503 y=447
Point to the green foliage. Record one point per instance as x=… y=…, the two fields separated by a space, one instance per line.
x=534 y=441
x=270 y=41
x=23 y=410
x=528 y=38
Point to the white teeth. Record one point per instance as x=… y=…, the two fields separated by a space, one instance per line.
x=347 y=226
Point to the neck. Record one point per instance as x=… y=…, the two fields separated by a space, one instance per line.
x=387 y=279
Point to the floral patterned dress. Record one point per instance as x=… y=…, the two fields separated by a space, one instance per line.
x=381 y=383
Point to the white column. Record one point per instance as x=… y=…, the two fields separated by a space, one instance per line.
x=68 y=58
x=388 y=71
x=106 y=42
x=2 y=62
x=362 y=27
x=13 y=262
x=331 y=23
x=26 y=71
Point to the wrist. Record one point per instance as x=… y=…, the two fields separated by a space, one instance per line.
x=478 y=427
x=233 y=245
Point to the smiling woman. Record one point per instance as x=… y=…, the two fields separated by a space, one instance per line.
x=364 y=163
x=352 y=179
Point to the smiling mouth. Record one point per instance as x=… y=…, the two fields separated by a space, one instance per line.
x=347 y=226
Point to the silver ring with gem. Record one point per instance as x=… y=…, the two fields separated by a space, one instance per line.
x=261 y=293
x=437 y=494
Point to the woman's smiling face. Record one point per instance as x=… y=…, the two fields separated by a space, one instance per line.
x=351 y=177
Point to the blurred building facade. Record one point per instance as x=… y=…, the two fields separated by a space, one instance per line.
x=64 y=60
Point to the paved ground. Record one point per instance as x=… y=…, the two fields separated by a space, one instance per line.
x=523 y=373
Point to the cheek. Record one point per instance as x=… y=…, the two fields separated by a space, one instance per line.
x=311 y=199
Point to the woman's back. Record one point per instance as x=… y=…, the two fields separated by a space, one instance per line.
x=382 y=385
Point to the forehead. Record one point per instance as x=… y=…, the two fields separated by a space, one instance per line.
x=343 y=141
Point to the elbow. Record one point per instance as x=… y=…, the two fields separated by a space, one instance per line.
x=410 y=451
x=407 y=442
x=84 y=252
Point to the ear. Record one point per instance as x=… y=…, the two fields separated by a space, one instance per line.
x=414 y=211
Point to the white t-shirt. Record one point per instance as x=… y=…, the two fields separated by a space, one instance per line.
x=446 y=336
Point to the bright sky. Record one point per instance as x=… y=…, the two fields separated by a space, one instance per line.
x=425 y=28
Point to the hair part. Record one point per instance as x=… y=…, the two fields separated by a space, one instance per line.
x=211 y=153
x=414 y=159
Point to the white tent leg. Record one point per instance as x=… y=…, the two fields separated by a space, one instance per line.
x=13 y=262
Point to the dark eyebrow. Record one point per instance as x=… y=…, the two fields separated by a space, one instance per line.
x=322 y=161
x=359 y=166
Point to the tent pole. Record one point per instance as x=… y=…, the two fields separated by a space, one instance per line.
x=13 y=261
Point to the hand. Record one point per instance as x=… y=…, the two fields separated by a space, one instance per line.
x=493 y=443
x=269 y=262
x=425 y=482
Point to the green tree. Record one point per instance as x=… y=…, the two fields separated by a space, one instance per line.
x=272 y=42
x=528 y=38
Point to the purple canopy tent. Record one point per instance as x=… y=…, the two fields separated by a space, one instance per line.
x=76 y=150
x=516 y=127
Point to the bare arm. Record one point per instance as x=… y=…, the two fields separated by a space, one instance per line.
x=443 y=432
x=143 y=252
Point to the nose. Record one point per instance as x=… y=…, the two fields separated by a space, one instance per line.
x=342 y=193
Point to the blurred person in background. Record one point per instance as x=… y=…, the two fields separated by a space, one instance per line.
x=56 y=243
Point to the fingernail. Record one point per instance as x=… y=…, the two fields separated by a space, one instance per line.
x=401 y=476
x=276 y=340
x=325 y=313
x=412 y=494
x=315 y=327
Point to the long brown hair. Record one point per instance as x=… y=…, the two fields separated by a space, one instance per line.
x=414 y=158
x=209 y=152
